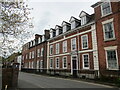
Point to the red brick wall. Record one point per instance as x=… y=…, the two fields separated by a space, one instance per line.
x=100 y=35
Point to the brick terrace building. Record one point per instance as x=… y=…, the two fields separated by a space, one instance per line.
x=35 y=52
x=73 y=48
x=85 y=47
x=107 y=18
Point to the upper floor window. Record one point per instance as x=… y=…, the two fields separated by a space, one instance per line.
x=41 y=51
x=57 y=48
x=64 y=46
x=29 y=55
x=106 y=8
x=83 y=20
x=39 y=40
x=51 y=49
x=108 y=29
x=51 y=34
x=23 y=57
x=64 y=28
x=73 y=25
x=84 y=39
x=31 y=44
x=26 y=56
x=43 y=38
x=32 y=54
x=38 y=53
x=73 y=44
x=54 y=33
x=34 y=43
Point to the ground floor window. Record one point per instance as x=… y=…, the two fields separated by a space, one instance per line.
x=57 y=62
x=51 y=63
x=85 y=61
x=111 y=59
x=41 y=64
x=64 y=62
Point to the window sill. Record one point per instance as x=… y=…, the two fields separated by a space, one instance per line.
x=84 y=48
x=113 y=69
x=110 y=39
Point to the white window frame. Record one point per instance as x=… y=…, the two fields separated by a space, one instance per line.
x=37 y=64
x=82 y=41
x=57 y=31
x=64 y=28
x=75 y=44
x=32 y=64
x=106 y=22
x=30 y=54
x=51 y=63
x=26 y=56
x=63 y=62
x=39 y=40
x=41 y=64
x=58 y=63
x=88 y=61
x=64 y=46
x=38 y=52
x=51 y=52
x=102 y=9
x=109 y=49
x=33 y=42
x=43 y=38
x=57 y=48
x=51 y=34
x=83 y=20
x=33 y=54
x=73 y=24
x=42 y=52
x=23 y=57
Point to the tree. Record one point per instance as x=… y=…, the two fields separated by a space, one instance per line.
x=15 y=22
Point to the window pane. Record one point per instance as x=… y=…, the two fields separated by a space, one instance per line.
x=112 y=60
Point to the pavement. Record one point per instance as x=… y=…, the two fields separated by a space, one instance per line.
x=27 y=80
x=0 y=77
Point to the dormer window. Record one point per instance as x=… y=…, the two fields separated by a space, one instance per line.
x=105 y=8
x=43 y=38
x=57 y=32
x=34 y=43
x=74 y=22
x=51 y=34
x=54 y=33
x=83 y=20
x=73 y=25
x=65 y=26
x=31 y=44
x=64 y=29
x=39 y=40
x=84 y=17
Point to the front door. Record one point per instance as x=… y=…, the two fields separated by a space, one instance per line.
x=74 y=66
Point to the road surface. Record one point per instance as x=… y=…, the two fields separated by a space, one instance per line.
x=27 y=80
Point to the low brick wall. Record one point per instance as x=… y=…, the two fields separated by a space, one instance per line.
x=10 y=77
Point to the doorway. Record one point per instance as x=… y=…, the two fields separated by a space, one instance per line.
x=74 y=66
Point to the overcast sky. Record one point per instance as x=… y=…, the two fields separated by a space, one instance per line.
x=48 y=13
